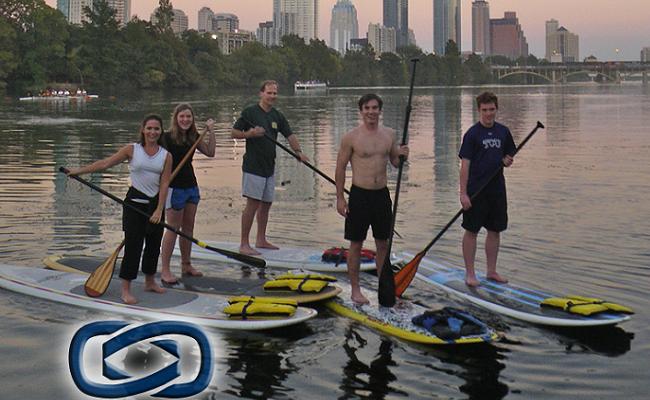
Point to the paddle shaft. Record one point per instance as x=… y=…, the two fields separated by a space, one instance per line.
x=485 y=184
x=254 y=261
x=386 y=280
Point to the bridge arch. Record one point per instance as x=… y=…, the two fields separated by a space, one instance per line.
x=526 y=73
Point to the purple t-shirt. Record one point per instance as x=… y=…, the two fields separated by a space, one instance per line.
x=485 y=149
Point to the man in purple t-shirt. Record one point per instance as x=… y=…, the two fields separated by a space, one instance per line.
x=487 y=146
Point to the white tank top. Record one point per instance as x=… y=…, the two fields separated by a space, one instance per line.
x=145 y=169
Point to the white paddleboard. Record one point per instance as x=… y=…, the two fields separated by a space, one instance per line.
x=200 y=309
x=508 y=299
x=285 y=257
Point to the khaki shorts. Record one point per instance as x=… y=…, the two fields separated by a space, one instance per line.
x=258 y=187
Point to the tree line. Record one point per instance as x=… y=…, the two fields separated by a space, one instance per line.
x=39 y=47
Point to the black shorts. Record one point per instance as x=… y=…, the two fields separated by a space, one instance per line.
x=489 y=210
x=368 y=208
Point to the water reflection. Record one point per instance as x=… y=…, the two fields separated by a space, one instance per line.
x=608 y=341
x=367 y=380
x=479 y=370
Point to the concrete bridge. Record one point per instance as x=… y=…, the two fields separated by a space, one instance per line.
x=557 y=73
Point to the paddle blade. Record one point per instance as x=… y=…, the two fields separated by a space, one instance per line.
x=98 y=281
x=404 y=276
x=386 y=289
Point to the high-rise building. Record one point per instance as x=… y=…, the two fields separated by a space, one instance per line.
x=205 y=19
x=446 y=24
x=396 y=15
x=382 y=39
x=645 y=54
x=507 y=38
x=344 y=25
x=298 y=17
x=76 y=13
x=180 y=21
x=64 y=7
x=481 y=27
x=225 y=22
x=267 y=34
x=561 y=45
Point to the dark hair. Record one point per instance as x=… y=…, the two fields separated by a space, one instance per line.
x=486 y=98
x=147 y=118
x=368 y=97
x=175 y=134
x=268 y=83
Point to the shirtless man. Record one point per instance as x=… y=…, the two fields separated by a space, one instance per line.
x=368 y=148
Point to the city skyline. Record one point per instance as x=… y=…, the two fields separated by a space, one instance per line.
x=603 y=25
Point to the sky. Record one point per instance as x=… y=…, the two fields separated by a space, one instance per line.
x=603 y=25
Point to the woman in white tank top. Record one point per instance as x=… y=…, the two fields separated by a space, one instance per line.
x=150 y=170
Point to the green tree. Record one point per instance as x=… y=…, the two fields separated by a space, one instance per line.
x=41 y=48
x=8 y=51
x=254 y=63
x=164 y=16
x=359 y=68
x=452 y=71
x=391 y=70
x=205 y=55
x=99 y=49
x=477 y=71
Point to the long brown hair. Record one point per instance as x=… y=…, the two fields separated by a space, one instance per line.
x=176 y=134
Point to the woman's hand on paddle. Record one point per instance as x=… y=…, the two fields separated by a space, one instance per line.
x=156 y=216
x=465 y=201
x=342 y=207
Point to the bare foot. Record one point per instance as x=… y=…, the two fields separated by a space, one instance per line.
x=128 y=298
x=359 y=299
x=266 y=245
x=471 y=281
x=497 y=278
x=189 y=270
x=154 y=287
x=248 y=250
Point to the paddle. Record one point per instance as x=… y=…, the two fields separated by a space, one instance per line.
x=98 y=281
x=253 y=261
x=386 y=289
x=404 y=276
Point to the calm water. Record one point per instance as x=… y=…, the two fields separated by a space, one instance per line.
x=579 y=213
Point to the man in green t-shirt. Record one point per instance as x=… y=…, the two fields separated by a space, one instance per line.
x=258 y=181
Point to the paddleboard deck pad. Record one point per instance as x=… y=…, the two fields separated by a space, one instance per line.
x=398 y=321
x=249 y=286
x=201 y=309
x=508 y=299
x=285 y=257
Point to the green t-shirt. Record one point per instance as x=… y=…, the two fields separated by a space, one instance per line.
x=259 y=158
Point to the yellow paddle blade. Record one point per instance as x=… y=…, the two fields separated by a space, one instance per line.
x=98 y=281
x=404 y=276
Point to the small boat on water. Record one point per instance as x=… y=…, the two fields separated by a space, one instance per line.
x=301 y=86
x=59 y=98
